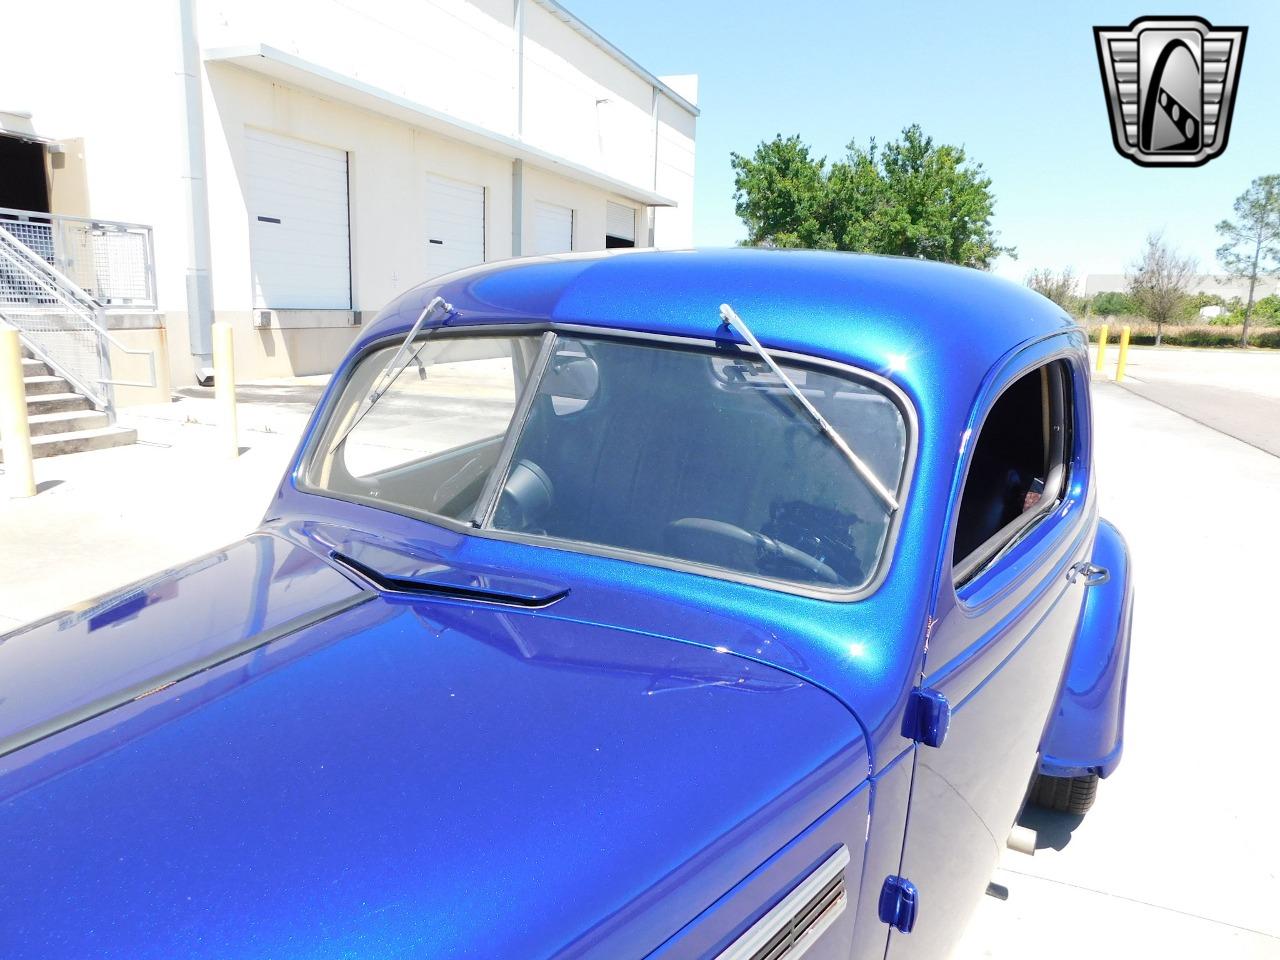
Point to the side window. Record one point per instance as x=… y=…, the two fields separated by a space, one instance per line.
x=1018 y=469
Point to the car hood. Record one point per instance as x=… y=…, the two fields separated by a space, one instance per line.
x=386 y=777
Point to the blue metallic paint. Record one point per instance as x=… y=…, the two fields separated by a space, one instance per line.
x=996 y=651
x=933 y=330
x=456 y=778
x=1086 y=732
x=734 y=913
x=79 y=662
x=436 y=779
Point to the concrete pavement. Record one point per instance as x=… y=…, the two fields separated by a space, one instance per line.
x=109 y=517
x=1180 y=857
x=1236 y=392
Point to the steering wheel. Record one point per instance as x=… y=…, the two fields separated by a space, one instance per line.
x=699 y=538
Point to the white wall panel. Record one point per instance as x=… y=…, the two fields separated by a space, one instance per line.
x=455 y=225
x=619 y=220
x=553 y=229
x=300 y=244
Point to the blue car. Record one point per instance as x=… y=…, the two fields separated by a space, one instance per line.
x=644 y=605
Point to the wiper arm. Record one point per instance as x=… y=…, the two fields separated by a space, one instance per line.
x=394 y=367
x=732 y=320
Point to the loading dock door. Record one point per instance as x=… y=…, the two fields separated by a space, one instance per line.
x=552 y=229
x=455 y=225
x=300 y=245
x=619 y=225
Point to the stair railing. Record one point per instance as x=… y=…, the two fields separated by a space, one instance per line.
x=62 y=325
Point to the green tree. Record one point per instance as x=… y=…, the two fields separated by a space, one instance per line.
x=1060 y=286
x=1113 y=303
x=1251 y=242
x=780 y=194
x=912 y=197
x=1267 y=310
x=1158 y=282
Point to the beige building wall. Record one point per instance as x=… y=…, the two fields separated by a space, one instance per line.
x=121 y=127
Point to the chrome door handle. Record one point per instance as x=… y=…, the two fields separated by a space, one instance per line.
x=1094 y=575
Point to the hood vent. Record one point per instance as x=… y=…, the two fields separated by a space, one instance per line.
x=795 y=924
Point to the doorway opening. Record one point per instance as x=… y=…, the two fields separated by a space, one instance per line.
x=24 y=182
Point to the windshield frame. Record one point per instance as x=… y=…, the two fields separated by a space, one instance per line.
x=708 y=344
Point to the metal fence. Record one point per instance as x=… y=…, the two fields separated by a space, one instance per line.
x=113 y=262
x=60 y=322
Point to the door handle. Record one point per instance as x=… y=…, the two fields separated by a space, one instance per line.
x=1094 y=575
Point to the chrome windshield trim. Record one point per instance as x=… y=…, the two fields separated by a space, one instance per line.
x=387 y=377
x=891 y=390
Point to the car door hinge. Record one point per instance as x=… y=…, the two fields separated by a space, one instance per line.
x=928 y=717
x=899 y=902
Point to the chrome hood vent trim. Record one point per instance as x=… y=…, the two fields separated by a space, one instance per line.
x=796 y=923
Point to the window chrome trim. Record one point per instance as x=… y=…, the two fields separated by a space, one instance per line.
x=980 y=560
x=487 y=505
x=763 y=930
x=885 y=386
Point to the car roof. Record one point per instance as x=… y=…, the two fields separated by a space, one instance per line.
x=925 y=325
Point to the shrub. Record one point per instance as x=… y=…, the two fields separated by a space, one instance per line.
x=1143 y=334
x=1111 y=304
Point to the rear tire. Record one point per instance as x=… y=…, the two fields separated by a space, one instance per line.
x=1065 y=794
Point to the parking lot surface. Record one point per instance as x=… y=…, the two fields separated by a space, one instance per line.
x=1180 y=857
x=1234 y=392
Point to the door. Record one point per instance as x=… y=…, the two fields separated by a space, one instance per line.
x=300 y=245
x=552 y=229
x=1001 y=631
x=619 y=225
x=25 y=185
x=455 y=225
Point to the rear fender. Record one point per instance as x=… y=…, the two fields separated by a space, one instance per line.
x=1086 y=729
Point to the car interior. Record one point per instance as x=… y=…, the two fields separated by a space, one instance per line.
x=703 y=458
x=697 y=456
x=1017 y=469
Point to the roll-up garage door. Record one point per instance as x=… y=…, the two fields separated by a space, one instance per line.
x=619 y=225
x=553 y=228
x=455 y=225
x=298 y=226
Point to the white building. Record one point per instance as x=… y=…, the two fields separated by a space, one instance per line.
x=300 y=162
x=1218 y=284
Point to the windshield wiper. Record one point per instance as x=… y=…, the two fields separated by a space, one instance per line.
x=732 y=320
x=395 y=367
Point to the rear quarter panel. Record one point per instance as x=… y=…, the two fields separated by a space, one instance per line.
x=1086 y=731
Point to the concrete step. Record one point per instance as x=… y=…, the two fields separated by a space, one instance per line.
x=35 y=368
x=36 y=386
x=56 y=403
x=66 y=421
x=81 y=440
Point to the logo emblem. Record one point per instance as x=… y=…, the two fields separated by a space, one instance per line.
x=1170 y=84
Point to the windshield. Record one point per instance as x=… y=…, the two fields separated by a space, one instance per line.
x=682 y=455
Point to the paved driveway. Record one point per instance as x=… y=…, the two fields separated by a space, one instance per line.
x=1181 y=855
x=1233 y=391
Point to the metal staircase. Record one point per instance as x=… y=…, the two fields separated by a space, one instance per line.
x=67 y=353
x=62 y=420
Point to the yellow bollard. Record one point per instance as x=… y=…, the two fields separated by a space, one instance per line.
x=1124 y=353
x=15 y=431
x=224 y=388
x=1102 y=347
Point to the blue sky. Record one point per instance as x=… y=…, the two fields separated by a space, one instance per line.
x=1016 y=84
